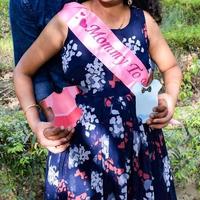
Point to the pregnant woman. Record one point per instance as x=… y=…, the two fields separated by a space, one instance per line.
x=112 y=154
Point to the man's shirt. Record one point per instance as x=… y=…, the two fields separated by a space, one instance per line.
x=28 y=18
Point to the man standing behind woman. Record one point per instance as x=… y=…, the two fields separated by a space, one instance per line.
x=28 y=18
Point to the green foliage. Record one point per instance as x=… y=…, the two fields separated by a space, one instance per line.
x=184 y=145
x=188 y=88
x=184 y=37
x=176 y=15
x=22 y=162
x=189 y=116
x=6 y=52
x=4 y=23
x=183 y=3
x=6 y=62
x=181 y=25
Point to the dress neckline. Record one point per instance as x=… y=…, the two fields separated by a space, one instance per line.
x=128 y=24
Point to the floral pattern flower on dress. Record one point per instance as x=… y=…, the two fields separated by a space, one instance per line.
x=123 y=103
x=88 y=119
x=133 y=44
x=116 y=126
x=105 y=146
x=77 y=155
x=123 y=180
x=68 y=52
x=167 y=172
x=94 y=78
x=148 y=186
x=97 y=182
x=62 y=186
x=52 y=176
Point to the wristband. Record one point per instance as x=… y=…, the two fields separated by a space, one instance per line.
x=31 y=106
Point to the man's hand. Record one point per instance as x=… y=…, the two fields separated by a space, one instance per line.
x=163 y=113
x=55 y=139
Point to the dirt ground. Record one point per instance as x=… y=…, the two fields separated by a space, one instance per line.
x=188 y=193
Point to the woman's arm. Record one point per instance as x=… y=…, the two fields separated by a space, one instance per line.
x=166 y=62
x=50 y=41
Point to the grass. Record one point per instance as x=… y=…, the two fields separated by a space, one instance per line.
x=6 y=55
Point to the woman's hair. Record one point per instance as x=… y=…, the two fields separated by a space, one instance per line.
x=153 y=7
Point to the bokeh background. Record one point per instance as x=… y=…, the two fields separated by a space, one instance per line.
x=22 y=161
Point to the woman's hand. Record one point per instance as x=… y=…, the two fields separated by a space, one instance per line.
x=55 y=139
x=163 y=113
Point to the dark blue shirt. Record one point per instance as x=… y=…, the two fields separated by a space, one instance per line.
x=28 y=18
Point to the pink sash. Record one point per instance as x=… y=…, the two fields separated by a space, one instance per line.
x=101 y=42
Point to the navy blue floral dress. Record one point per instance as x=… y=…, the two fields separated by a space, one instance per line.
x=112 y=155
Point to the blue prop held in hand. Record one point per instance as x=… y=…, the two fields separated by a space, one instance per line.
x=146 y=99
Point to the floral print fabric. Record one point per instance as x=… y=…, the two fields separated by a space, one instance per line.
x=112 y=155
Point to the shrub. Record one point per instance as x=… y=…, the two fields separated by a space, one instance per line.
x=184 y=37
x=190 y=83
x=181 y=24
x=6 y=62
x=4 y=23
x=184 y=145
x=22 y=162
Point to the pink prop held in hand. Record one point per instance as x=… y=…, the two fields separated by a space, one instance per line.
x=66 y=113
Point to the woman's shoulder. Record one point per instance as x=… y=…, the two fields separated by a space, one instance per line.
x=148 y=17
x=150 y=23
x=57 y=28
x=59 y=22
